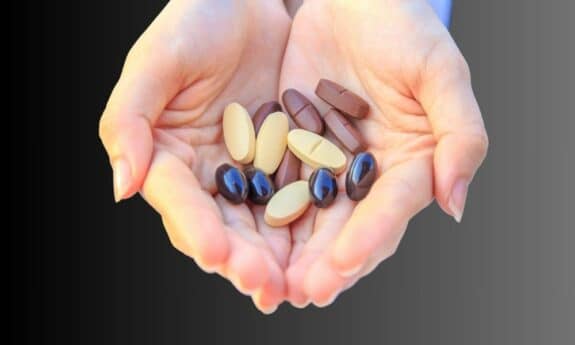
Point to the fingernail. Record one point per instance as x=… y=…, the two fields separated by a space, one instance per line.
x=457 y=199
x=300 y=305
x=327 y=301
x=122 y=176
x=269 y=310
x=237 y=283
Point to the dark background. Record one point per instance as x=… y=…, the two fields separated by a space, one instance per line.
x=83 y=270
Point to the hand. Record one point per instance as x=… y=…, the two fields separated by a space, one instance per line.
x=425 y=130
x=162 y=131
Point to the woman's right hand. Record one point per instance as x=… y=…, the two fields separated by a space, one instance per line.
x=162 y=131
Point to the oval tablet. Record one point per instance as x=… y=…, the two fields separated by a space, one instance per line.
x=342 y=99
x=360 y=176
x=322 y=187
x=271 y=142
x=316 y=151
x=288 y=204
x=261 y=188
x=231 y=183
x=302 y=111
x=288 y=171
x=263 y=111
x=239 y=134
x=344 y=131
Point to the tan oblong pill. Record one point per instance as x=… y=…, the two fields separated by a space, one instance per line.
x=239 y=133
x=288 y=204
x=271 y=142
x=316 y=151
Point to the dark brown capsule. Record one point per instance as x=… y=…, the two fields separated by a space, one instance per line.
x=302 y=111
x=263 y=111
x=288 y=170
x=322 y=187
x=261 y=188
x=344 y=131
x=360 y=176
x=342 y=99
x=231 y=183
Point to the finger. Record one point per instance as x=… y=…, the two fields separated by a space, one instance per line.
x=379 y=221
x=192 y=218
x=277 y=250
x=151 y=77
x=301 y=232
x=271 y=294
x=277 y=239
x=326 y=228
x=322 y=283
x=246 y=266
x=447 y=97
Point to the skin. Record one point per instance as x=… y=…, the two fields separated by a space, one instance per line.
x=162 y=131
x=425 y=130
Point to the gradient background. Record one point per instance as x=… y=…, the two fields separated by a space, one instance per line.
x=85 y=271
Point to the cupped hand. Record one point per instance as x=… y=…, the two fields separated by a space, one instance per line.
x=162 y=131
x=425 y=130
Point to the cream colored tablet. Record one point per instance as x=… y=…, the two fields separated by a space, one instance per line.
x=239 y=133
x=316 y=151
x=288 y=204
x=271 y=142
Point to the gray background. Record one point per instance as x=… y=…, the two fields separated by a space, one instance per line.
x=85 y=271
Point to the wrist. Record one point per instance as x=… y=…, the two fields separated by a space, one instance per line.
x=442 y=8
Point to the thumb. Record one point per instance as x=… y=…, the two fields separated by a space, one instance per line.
x=447 y=97
x=149 y=80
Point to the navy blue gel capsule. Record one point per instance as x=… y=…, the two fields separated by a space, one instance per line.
x=231 y=183
x=322 y=187
x=261 y=188
x=360 y=176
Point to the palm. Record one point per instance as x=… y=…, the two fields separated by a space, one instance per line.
x=239 y=51
x=162 y=131
x=376 y=55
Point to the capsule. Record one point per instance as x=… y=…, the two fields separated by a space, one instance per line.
x=231 y=183
x=260 y=186
x=322 y=187
x=360 y=176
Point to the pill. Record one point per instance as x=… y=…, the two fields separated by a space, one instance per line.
x=342 y=99
x=263 y=111
x=239 y=134
x=316 y=151
x=271 y=142
x=260 y=186
x=360 y=176
x=231 y=183
x=288 y=204
x=302 y=111
x=344 y=131
x=288 y=171
x=322 y=187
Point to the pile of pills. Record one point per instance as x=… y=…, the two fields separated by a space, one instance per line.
x=276 y=147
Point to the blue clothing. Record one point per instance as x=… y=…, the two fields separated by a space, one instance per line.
x=443 y=10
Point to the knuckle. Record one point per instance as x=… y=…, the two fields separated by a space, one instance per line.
x=134 y=52
x=179 y=245
x=444 y=60
x=480 y=144
x=106 y=128
x=176 y=240
x=460 y=66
